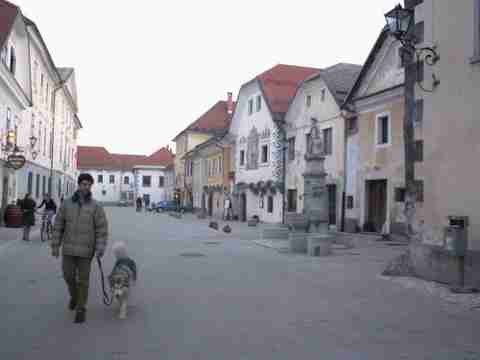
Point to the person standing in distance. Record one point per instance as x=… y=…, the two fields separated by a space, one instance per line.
x=81 y=229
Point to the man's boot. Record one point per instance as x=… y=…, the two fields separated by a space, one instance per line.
x=80 y=316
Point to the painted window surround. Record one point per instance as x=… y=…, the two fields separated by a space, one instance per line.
x=377 y=117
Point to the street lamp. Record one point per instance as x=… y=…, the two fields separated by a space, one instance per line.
x=400 y=23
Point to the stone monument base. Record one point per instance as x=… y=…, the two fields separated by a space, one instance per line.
x=320 y=244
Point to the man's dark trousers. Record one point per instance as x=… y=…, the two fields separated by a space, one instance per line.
x=76 y=272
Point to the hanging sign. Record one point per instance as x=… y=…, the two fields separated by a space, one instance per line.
x=16 y=161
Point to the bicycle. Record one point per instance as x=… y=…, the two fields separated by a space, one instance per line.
x=46 y=230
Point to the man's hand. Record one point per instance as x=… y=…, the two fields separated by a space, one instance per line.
x=55 y=252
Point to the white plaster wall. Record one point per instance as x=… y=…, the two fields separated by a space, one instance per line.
x=298 y=120
x=241 y=125
x=451 y=126
x=156 y=192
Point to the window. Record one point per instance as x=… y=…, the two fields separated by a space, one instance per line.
x=418 y=111
x=37 y=186
x=161 y=181
x=126 y=180
x=264 y=153
x=400 y=194
x=44 y=185
x=292 y=200
x=49 y=185
x=352 y=125
x=30 y=183
x=259 y=103
x=104 y=192
x=13 y=61
x=220 y=165
x=349 y=202
x=215 y=169
x=111 y=179
x=270 y=204
x=327 y=141
x=419 y=189
x=100 y=179
x=308 y=140
x=59 y=187
x=291 y=148
x=3 y=55
x=418 y=151
x=242 y=157
x=147 y=181
x=250 y=107
x=308 y=100
x=383 y=131
x=322 y=95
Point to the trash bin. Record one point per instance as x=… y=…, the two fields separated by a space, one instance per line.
x=456 y=235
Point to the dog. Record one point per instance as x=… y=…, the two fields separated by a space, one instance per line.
x=122 y=277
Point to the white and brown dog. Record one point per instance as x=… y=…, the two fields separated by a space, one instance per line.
x=122 y=277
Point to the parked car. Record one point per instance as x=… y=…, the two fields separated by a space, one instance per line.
x=171 y=205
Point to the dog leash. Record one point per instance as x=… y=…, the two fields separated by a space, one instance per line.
x=106 y=299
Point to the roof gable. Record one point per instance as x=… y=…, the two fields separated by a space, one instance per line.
x=381 y=70
x=215 y=120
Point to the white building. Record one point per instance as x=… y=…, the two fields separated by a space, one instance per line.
x=15 y=93
x=317 y=103
x=40 y=106
x=126 y=177
x=257 y=129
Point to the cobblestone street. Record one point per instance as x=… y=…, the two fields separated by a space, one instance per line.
x=227 y=298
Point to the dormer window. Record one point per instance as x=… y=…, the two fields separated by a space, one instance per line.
x=13 y=61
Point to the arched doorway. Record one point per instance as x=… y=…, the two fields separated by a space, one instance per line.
x=243 y=207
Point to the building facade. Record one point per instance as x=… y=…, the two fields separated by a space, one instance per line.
x=317 y=102
x=212 y=123
x=450 y=126
x=257 y=130
x=125 y=177
x=32 y=89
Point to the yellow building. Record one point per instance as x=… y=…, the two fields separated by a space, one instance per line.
x=213 y=122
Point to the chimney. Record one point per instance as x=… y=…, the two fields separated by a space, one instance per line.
x=229 y=103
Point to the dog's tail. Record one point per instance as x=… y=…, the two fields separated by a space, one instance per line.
x=120 y=250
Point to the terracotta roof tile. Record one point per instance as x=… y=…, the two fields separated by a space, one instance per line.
x=214 y=120
x=97 y=157
x=280 y=84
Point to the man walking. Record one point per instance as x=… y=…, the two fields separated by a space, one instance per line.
x=81 y=229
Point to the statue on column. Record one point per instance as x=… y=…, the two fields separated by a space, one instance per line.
x=315 y=147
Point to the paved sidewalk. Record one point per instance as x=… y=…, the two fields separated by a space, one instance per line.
x=8 y=235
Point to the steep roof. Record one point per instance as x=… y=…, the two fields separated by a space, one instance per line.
x=98 y=157
x=339 y=79
x=8 y=14
x=215 y=120
x=280 y=83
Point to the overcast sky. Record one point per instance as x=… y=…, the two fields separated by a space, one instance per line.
x=146 y=69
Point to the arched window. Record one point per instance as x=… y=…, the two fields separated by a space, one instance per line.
x=13 y=61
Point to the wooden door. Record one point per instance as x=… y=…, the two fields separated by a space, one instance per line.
x=376 y=205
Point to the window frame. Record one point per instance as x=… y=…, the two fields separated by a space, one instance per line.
x=389 y=124
x=144 y=184
x=126 y=180
x=111 y=179
x=100 y=179
x=325 y=132
x=161 y=181
x=265 y=146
